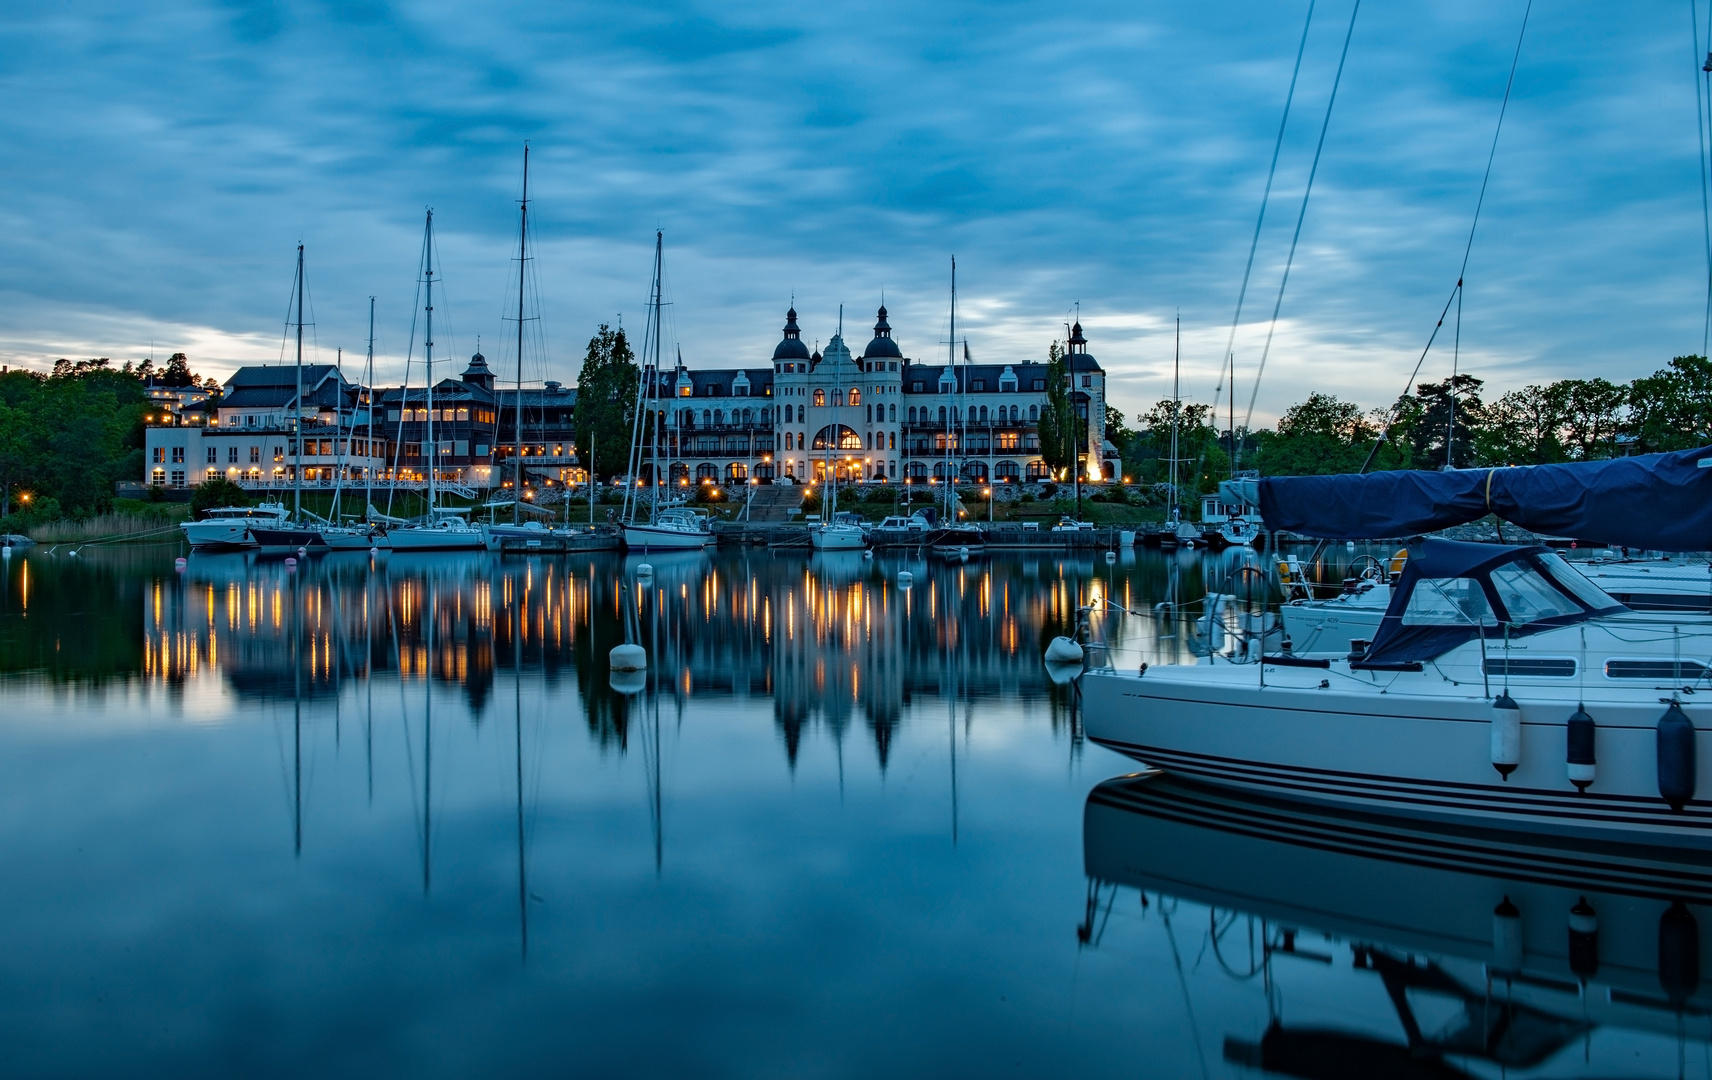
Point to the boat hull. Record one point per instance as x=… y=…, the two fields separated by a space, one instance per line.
x=435 y=539
x=838 y=538
x=1425 y=756
x=228 y=535
x=287 y=541
x=657 y=538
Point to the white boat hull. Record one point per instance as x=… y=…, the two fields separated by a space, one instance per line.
x=662 y=538
x=229 y=533
x=1424 y=754
x=838 y=538
x=410 y=538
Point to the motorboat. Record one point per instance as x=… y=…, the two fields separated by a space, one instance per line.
x=898 y=530
x=1068 y=524
x=1238 y=532
x=285 y=538
x=838 y=536
x=672 y=529
x=1502 y=689
x=527 y=533
x=229 y=526
x=1489 y=946
x=444 y=532
x=957 y=541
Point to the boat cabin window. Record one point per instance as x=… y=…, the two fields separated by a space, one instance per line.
x=1448 y=602
x=1551 y=667
x=1574 y=582
x=1657 y=670
x=1528 y=596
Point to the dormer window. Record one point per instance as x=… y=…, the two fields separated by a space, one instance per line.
x=978 y=384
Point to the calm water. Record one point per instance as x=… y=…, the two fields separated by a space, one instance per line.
x=393 y=818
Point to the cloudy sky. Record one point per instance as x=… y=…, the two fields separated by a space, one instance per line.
x=163 y=160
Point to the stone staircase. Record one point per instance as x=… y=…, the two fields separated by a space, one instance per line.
x=773 y=503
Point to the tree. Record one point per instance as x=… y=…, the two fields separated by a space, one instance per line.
x=1059 y=431
x=1202 y=462
x=1431 y=421
x=217 y=492
x=177 y=373
x=606 y=402
x=1593 y=411
x=1671 y=409
x=1524 y=427
x=1319 y=436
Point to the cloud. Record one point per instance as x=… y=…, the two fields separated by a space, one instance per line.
x=164 y=164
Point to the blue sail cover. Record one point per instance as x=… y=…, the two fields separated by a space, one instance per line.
x=1661 y=502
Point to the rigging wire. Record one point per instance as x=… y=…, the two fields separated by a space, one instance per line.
x=1301 y=216
x=1703 y=90
x=1480 y=202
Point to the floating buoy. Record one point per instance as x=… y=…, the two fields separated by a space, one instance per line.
x=628 y=658
x=905 y=579
x=963 y=553
x=374 y=551
x=867 y=554
x=180 y=563
x=1063 y=674
x=628 y=682
x=1349 y=545
x=1583 y=940
x=1506 y=936
x=1111 y=556
x=644 y=570
x=290 y=564
x=1061 y=650
x=1676 y=757
x=6 y=552
x=1580 y=756
x=72 y=553
x=302 y=551
x=1506 y=735
x=1679 y=953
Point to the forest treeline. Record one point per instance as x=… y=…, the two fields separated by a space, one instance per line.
x=68 y=435
x=1449 y=422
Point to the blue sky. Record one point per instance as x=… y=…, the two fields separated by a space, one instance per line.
x=164 y=160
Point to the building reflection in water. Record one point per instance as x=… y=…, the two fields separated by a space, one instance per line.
x=1486 y=950
x=831 y=642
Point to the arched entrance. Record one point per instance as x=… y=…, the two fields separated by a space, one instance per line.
x=837 y=437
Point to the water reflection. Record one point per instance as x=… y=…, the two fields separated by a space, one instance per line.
x=1485 y=950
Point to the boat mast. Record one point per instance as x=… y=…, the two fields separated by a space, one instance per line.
x=522 y=261
x=368 y=393
x=297 y=405
x=654 y=380
x=1176 y=419
x=951 y=413
x=338 y=440
x=428 y=358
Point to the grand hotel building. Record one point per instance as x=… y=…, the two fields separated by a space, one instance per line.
x=877 y=417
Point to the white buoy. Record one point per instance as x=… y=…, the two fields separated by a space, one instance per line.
x=180 y=563
x=1061 y=650
x=628 y=658
x=6 y=552
x=290 y=564
x=374 y=551
x=303 y=551
x=1506 y=735
x=1063 y=674
x=628 y=682
x=963 y=554
x=644 y=570
x=905 y=579
x=72 y=553
x=866 y=554
x=1349 y=545
x=1111 y=556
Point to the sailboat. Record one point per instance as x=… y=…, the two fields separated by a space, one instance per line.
x=291 y=535
x=954 y=538
x=667 y=528
x=441 y=529
x=361 y=537
x=832 y=534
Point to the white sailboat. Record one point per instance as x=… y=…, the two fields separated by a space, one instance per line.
x=1503 y=689
x=442 y=528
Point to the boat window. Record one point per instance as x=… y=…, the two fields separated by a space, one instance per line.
x=1530 y=665
x=1448 y=602
x=1527 y=596
x=1575 y=582
x=1671 y=670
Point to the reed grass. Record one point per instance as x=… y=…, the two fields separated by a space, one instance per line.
x=113 y=527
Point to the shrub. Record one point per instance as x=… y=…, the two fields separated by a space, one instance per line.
x=214 y=493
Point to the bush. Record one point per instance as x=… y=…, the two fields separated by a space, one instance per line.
x=1049 y=491
x=215 y=493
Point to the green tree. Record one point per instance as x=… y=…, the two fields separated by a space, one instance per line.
x=1671 y=409
x=1059 y=429
x=1524 y=427
x=177 y=372
x=1202 y=461
x=606 y=402
x=1430 y=421
x=217 y=492
x=1319 y=436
